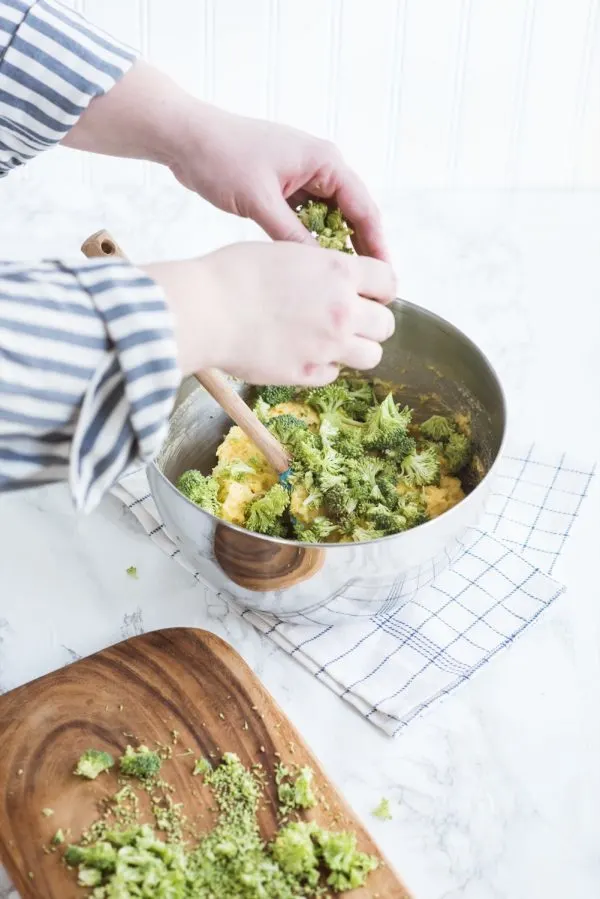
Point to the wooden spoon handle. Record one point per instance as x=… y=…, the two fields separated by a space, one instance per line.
x=102 y=244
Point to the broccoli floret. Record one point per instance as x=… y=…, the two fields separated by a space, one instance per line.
x=438 y=428
x=329 y=401
x=414 y=510
x=287 y=428
x=361 y=533
x=386 y=425
x=295 y=791
x=101 y=856
x=360 y=397
x=387 y=487
x=313 y=215
x=363 y=475
x=383 y=810
x=421 y=468
x=339 y=502
x=385 y=520
x=318 y=530
x=202 y=766
x=201 y=490
x=328 y=226
x=294 y=851
x=142 y=762
x=93 y=762
x=264 y=514
x=348 y=444
x=272 y=395
x=457 y=452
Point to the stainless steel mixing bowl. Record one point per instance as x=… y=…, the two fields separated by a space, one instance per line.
x=436 y=369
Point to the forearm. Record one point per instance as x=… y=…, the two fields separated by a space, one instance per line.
x=88 y=374
x=144 y=116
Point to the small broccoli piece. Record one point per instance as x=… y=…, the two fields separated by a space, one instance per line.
x=295 y=791
x=89 y=877
x=287 y=428
x=339 y=502
x=101 y=856
x=201 y=490
x=348 y=444
x=202 y=766
x=457 y=453
x=272 y=395
x=386 y=425
x=313 y=215
x=348 y=867
x=383 y=810
x=132 y=571
x=262 y=411
x=328 y=226
x=385 y=520
x=387 y=487
x=318 y=530
x=329 y=401
x=264 y=514
x=93 y=762
x=421 y=468
x=438 y=428
x=363 y=478
x=414 y=510
x=361 y=534
x=142 y=763
x=47 y=812
x=294 y=851
x=58 y=838
x=360 y=397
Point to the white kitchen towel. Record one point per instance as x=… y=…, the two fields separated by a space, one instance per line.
x=393 y=667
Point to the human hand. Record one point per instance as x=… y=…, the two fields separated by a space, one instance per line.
x=278 y=313
x=263 y=171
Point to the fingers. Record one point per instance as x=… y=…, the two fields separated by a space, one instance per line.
x=372 y=278
x=373 y=321
x=280 y=222
x=357 y=206
x=362 y=354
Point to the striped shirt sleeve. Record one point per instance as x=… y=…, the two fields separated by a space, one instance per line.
x=87 y=374
x=52 y=65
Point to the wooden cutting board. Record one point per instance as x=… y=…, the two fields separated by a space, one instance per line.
x=185 y=680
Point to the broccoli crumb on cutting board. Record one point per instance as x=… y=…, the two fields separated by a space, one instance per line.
x=121 y=855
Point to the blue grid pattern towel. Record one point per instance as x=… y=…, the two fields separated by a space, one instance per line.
x=394 y=666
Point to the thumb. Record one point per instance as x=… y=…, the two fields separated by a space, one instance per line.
x=280 y=221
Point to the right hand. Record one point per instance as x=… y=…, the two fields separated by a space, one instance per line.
x=279 y=313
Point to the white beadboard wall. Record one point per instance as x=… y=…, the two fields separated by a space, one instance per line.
x=420 y=94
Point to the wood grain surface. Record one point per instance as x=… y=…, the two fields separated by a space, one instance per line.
x=180 y=679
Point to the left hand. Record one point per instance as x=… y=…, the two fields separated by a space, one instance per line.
x=262 y=170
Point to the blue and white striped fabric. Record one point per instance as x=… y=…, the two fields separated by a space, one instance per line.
x=52 y=65
x=87 y=352
x=394 y=667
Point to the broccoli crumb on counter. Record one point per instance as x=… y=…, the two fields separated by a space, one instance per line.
x=132 y=571
x=383 y=811
x=122 y=856
x=93 y=762
x=141 y=762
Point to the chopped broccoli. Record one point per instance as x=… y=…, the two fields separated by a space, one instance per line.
x=360 y=534
x=318 y=530
x=202 y=766
x=457 y=453
x=330 y=402
x=438 y=428
x=385 y=520
x=201 y=490
x=295 y=788
x=264 y=513
x=420 y=469
x=348 y=444
x=142 y=762
x=272 y=395
x=93 y=762
x=386 y=425
x=132 y=571
x=286 y=428
x=328 y=226
x=348 y=867
x=294 y=851
x=360 y=397
x=58 y=838
x=383 y=810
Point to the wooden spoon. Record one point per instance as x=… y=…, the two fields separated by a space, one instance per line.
x=101 y=244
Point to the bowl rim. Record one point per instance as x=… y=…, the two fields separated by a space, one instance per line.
x=437 y=319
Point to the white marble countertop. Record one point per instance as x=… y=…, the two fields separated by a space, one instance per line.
x=495 y=793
